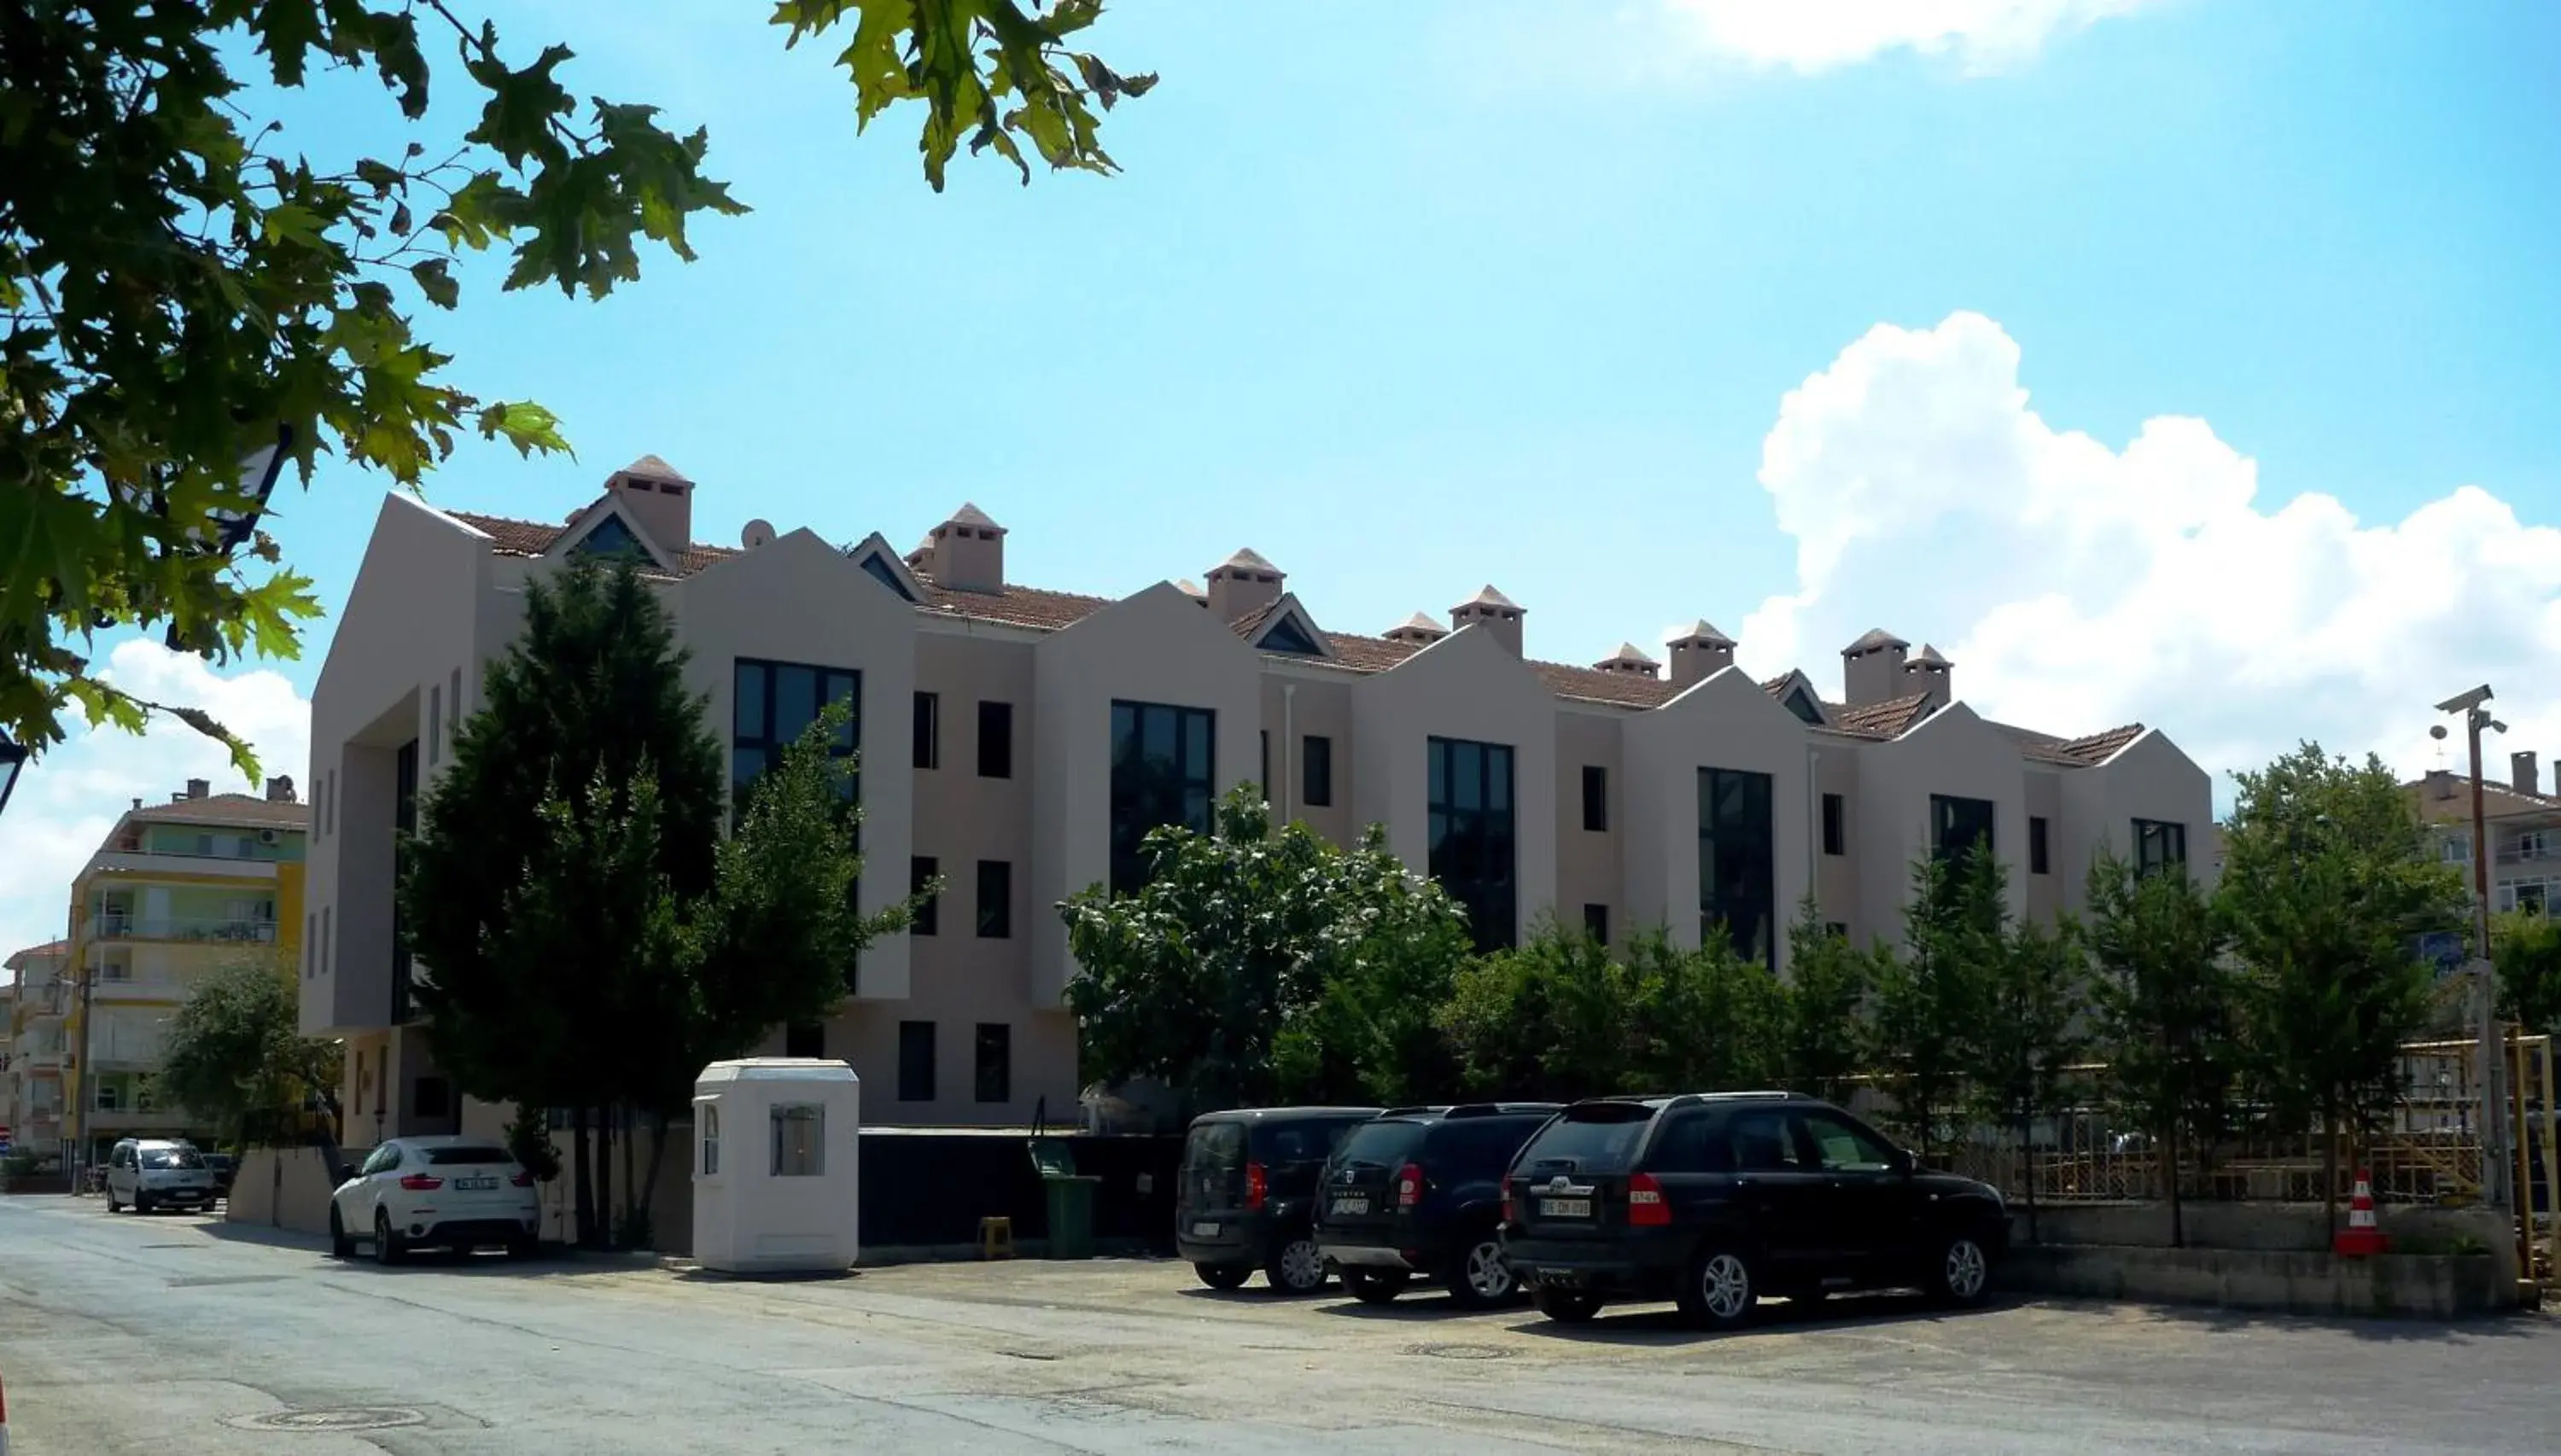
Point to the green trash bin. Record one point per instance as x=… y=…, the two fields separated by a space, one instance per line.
x=1070 y=1199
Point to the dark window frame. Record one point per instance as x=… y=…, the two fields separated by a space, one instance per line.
x=1165 y=771
x=929 y=730
x=1315 y=770
x=915 y=1072
x=922 y=870
x=2158 y=845
x=2040 y=845
x=995 y=738
x=1835 y=825
x=1738 y=860
x=765 y=740
x=1473 y=840
x=1596 y=798
x=995 y=913
x=1950 y=817
x=999 y=1071
x=1596 y=922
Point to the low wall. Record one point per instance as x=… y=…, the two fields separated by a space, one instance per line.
x=281 y=1188
x=2271 y=1228
x=2424 y=1286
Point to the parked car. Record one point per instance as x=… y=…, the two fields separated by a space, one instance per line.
x=1245 y=1190
x=1715 y=1200
x=226 y=1170
x=1418 y=1192
x=453 y=1192
x=157 y=1173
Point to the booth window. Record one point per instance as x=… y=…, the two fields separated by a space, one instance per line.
x=799 y=1140
x=711 y=1141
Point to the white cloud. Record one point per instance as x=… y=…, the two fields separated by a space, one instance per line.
x=1808 y=36
x=2078 y=586
x=67 y=800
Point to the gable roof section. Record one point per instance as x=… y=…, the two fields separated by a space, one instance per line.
x=887 y=567
x=1891 y=718
x=1285 y=627
x=604 y=513
x=246 y=810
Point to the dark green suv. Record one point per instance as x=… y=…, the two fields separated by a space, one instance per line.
x=1247 y=1191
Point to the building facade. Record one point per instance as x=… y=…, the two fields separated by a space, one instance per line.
x=177 y=889
x=35 y=1015
x=2523 y=819
x=1016 y=743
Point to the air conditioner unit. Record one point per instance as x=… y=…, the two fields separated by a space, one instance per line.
x=266 y=836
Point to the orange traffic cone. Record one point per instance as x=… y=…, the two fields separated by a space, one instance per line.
x=2361 y=1238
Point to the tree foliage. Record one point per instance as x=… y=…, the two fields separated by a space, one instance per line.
x=2169 y=1008
x=2525 y=946
x=235 y=1056
x=1257 y=966
x=1822 y=1039
x=180 y=275
x=1930 y=992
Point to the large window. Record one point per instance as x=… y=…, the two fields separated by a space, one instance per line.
x=929 y=730
x=2159 y=845
x=1835 y=825
x=1738 y=884
x=1957 y=826
x=1472 y=840
x=2040 y=853
x=996 y=1069
x=773 y=703
x=916 y=1061
x=920 y=872
x=1317 y=786
x=1596 y=798
x=1160 y=774
x=995 y=899
x=996 y=739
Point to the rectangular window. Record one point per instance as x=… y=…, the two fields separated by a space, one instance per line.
x=995 y=1061
x=1596 y=923
x=995 y=741
x=2159 y=845
x=1596 y=798
x=1317 y=788
x=2458 y=851
x=774 y=703
x=929 y=730
x=916 y=1061
x=2528 y=895
x=1471 y=835
x=1838 y=928
x=434 y=723
x=1957 y=826
x=2530 y=845
x=1835 y=825
x=711 y=1139
x=1738 y=886
x=799 y=1140
x=1161 y=758
x=995 y=899
x=919 y=873
x=2039 y=855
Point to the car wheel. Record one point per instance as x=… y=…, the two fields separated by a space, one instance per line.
x=113 y=1205
x=340 y=1245
x=1376 y=1286
x=1224 y=1276
x=1962 y=1273
x=1481 y=1278
x=141 y=1203
x=386 y=1244
x=1298 y=1267
x=1566 y=1306
x=1718 y=1294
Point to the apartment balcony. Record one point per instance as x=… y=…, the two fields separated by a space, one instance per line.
x=111 y=986
x=137 y=1120
x=213 y=931
x=162 y=862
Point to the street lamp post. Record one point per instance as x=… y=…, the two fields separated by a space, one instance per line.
x=2492 y=1053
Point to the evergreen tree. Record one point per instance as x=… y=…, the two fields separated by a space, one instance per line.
x=1930 y=992
x=1823 y=1029
x=1705 y=1019
x=2169 y=1011
x=1552 y=1019
x=2035 y=1005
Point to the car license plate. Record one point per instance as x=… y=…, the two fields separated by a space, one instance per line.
x=474 y=1185
x=1564 y=1207
x=1204 y=1230
x=1357 y=1205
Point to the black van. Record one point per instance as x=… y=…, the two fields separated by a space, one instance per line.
x=1247 y=1184
x=1418 y=1191
x=1714 y=1200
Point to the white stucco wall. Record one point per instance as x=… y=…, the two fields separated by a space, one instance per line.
x=2150 y=779
x=1725 y=721
x=1954 y=752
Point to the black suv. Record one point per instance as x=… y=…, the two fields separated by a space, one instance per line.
x=1714 y=1200
x=1419 y=1191
x=1247 y=1184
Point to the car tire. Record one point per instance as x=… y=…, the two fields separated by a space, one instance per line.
x=387 y=1248
x=1480 y=1276
x=1376 y=1286
x=1961 y=1277
x=142 y=1203
x=340 y=1245
x=1719 y=1291
x=113 y=1205
x=1566 y=1306
x=524 y=1247
x=1224 y=1276
x=1298 y=1266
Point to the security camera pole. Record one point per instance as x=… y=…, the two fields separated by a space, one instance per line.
x=2492 y=1081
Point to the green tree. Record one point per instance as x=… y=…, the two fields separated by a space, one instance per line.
x=235 y=1056
x=1823 y=1034
x=2169 y=1011
x=2035 y=1004
x=1930 y=992
x=1256 y=966
x=179 y=277
x=2328 y=888
x=2525 y=946
x=1705 y=1019
x=1554 y=1018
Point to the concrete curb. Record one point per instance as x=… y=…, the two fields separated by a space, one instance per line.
x=2268 y=1281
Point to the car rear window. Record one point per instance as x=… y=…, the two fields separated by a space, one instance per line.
x=1215 y=1145
x=1298 y=1142
x=171 y=1157
x=1599 y=1137
x=1381 y=1144
x=445 y=1157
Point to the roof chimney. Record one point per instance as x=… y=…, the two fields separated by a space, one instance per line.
x=2441 y=783
x=1931 y=675
x=659 y=500
x=1243 y=585
x=2524 y=772
x=196 y=788
x=1494 y=611
x=969 y=551
x=1700 y=652
x=1872 y=669
x=1418 y=630
x=1628 y=662
x=281 y=790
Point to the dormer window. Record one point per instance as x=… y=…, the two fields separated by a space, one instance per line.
x=881 y=571
x=1285 y=635
x=610 y=538
x=1802 y=703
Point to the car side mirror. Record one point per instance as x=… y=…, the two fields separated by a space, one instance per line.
x=346 y=1173
x=1906 y=1161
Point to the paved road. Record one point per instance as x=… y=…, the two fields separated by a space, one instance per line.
x=121 y=1334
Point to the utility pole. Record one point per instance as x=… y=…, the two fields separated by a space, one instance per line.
x=2491 y=1053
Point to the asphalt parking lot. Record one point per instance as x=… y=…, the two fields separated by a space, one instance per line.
x=179 y=1332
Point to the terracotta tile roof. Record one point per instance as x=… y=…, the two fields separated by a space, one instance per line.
x=2100 y=747
x=1890 y=719
x=1019 y=606
x=2499 y=801
x=225 y=809
x=1369 y=654
x=1626 y=690
x=511 y=536
x=48 y=950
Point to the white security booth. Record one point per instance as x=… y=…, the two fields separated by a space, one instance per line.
x=774 y=1176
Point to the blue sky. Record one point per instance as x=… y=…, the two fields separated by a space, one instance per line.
x=1642 y=310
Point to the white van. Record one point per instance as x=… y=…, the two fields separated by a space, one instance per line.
x=157 y=1173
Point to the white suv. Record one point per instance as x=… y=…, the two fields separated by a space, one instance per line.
x=157 y=1173
x=446 y=1192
